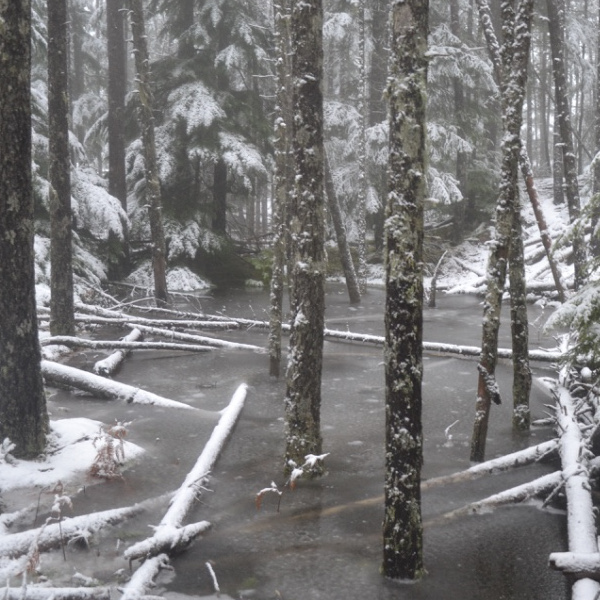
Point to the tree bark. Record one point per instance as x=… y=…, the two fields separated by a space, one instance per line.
x=595 y=202
x=220 y=197
x=340 y=234
x=305 y=362
x=403 y=234
x=515 y=54
x=146 y=118
x=23 y=416
x=59 y=173
x=519 y=324
x=556 y=27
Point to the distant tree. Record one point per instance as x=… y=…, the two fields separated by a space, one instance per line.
x=307 y=218
x=117 y=88
x=556 y=20
x=282 y=178
x=516 y=27
x=62 y=321
x=146 y=118
x=23 y=416
x=402 y=525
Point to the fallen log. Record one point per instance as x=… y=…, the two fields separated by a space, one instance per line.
x=77 y=342
x=582 y=565
x=496 y=465
x=167 y=534
x=51 y=593
x=581 y=525
x=111 y=364
x=126 y=319
x=53 y=535
x=55 y=373
x=187 y=337
x=515 y=495
x=143 y=579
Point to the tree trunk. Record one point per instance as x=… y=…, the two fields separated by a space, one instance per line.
x=220 y=197
x=340 y=234
x=519 y=324
x=117 y=88
x=515 y=54
x=146 y=117
x=402 y=525
x=595 y=203
x=59 y=175
x=23 y=416
x=556 y=27
x=303 y=394
x=282 y=182
x=361 y=198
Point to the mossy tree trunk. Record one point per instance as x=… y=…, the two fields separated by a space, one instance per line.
x=23 y=415
x=516 y=27
x=403 y=236
x=303 y=394
x=146 y=118
x=59 y=174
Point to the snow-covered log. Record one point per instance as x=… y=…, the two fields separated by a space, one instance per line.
x=50 y=593
x=515 y=495
x=440 y=348
x=143 y=579
x=49 y=536
x=167 y=533
x=126 y=319
x=78 y=342
x=55 y=373
x=583 y=565
x=502 y=463
x=581 y=525
x=200 y=339
x=110 y=364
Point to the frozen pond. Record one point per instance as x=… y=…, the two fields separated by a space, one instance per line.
x=326 y=540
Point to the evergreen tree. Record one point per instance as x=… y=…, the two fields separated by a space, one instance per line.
x=23 y=416
x=303 y=392
x=402 y=525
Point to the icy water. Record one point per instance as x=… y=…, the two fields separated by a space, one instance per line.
x=325 y=542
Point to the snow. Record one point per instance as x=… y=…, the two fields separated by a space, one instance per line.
x=70 y=455
x=179 y=279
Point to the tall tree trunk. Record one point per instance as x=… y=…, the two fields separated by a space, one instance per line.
x=543 y=114
x=303 y=394
x=402 y=524
x=61 y=277
x=117 y=88
x=595 y=204
x=146 y=117
x=460 y=215
x=77 y=23
x=361 y=200
x=340 y=234
x=556 y=27
x=23 y=416
x=513 y=76
x=282 y=180
x=519 y=324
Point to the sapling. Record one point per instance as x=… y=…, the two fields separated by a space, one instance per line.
x=296 y=472
x=110 y=452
